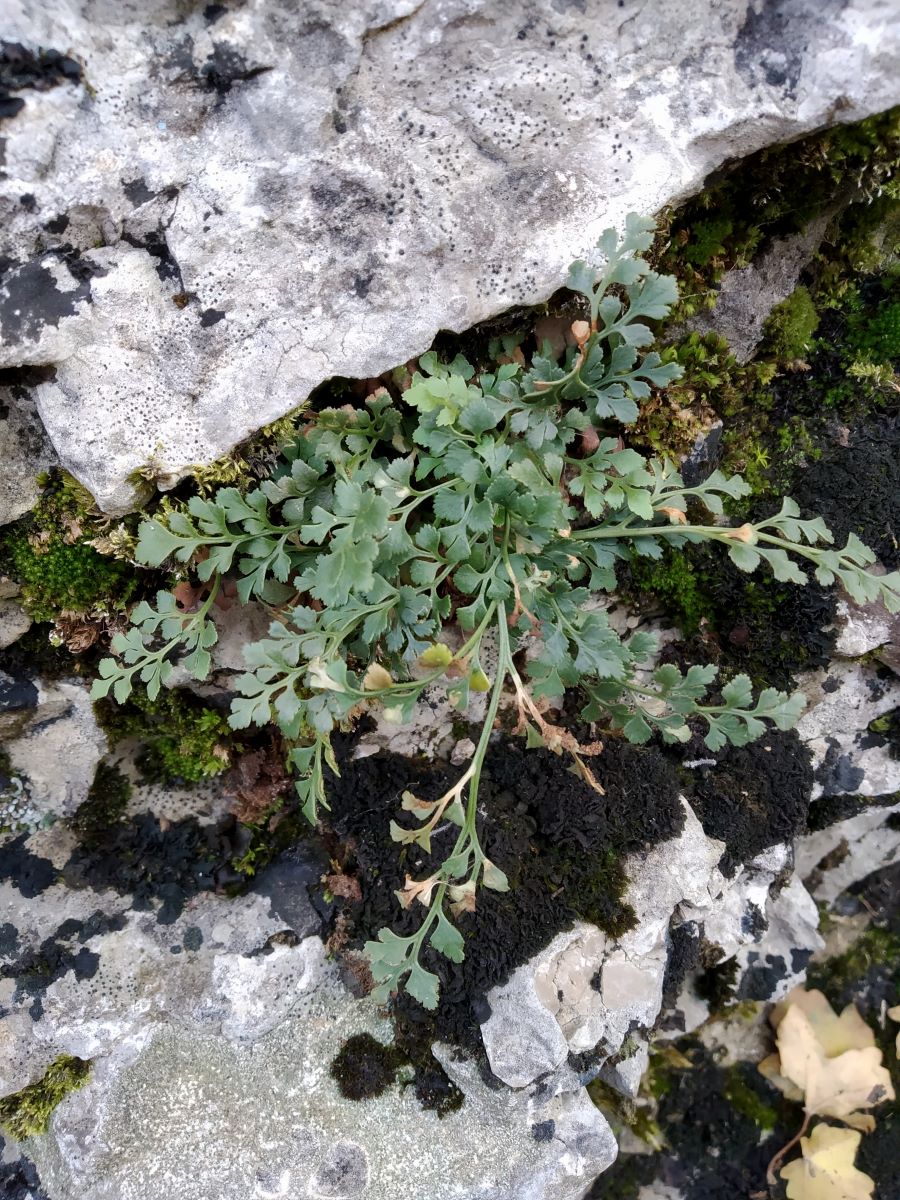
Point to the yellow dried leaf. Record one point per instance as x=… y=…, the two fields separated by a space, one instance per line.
x=826 y=1171
x=838 y=1086
x=835 y=1033
x=894 y=1014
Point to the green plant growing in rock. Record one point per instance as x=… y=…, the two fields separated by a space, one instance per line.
x=27 y=1113
x=457 y=537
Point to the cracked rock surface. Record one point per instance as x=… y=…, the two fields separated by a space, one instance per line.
x=208 y=210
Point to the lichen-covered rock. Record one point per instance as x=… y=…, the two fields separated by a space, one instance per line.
x=843 y=702
x=25 y=448
x=748 y=294
x=588 y=991
x=866 y=629
x=212 y=209
x=14 y=621
x=268 y=1120
x=57 y=745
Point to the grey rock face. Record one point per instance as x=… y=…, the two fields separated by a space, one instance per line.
x=25 y=449
x=747 y=295
x=53 y=742
x=14 y=621
x=843 y=701
x=267 y=1120
x=245 y=201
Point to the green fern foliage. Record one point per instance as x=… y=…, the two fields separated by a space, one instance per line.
x=395 y=542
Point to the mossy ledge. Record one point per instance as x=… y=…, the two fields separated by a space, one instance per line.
x=27 y=1113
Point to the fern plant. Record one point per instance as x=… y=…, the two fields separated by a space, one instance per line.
x=459 y=534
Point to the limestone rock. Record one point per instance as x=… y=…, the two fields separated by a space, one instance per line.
x=833 y=859
x=25 y=448
x=843 y=700
x=59 y=748
x=748 y=294
x=234 y=203
x=14 y=621
x=267 y=1120
x=864 y=628
x=587 y=991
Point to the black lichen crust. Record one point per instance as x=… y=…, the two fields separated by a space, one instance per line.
x=721 y=1127
x=364 y=1067
x=151 y=861
x=560 y=843
x=21 y=68
x=19 y=1179
x=754 y=797
x=63 y=952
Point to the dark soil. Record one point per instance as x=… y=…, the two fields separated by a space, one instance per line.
x=722 y=1127
x=755 y=796
x=560 y=843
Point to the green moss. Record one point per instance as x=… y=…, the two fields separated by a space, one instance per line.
x=878 y=338
x=184 y=740
x=49 y=555
x=674 y=580
x=105 y=804
x=790 y=326
x=777 y=192
x=600 y=898
x=248 y=461
x=876 y=949
x=708 y=239
x=54 y=575
x=27 y=1113
x=747 y=1100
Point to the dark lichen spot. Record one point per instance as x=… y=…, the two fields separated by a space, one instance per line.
x=19 y=1178
x=31 y=299
x=137 y=191
x=543 y=1131
x=56 y=956
x=364 y=1067
x=193 y=938
x=755 y=796
x=155 y=863
x=21 y=68
x=225 y=67
x=28 y=873
x=762 y=976
x=211 y=316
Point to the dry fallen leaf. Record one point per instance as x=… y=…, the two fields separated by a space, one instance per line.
x=836 y=1033
x=826 y=1171
x=828 y=1061
x=894 y=1014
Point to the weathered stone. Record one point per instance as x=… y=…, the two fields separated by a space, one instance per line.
x=25 y=448
x=748 y=294
x=14 y=621
x=58 y=750
x=588 y=991
x=843 y=701
x=833 y=859
x=267 y=1120
x=233 y=204
x=864 y=628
